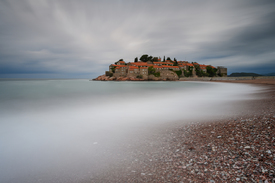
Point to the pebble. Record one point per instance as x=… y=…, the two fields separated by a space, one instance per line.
x=193 y=153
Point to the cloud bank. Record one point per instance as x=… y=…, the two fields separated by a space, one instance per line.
x=44 y=38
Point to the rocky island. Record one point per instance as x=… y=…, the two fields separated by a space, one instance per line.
x=149 y=68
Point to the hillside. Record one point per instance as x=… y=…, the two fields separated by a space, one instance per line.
x=270 y=74
x=242 y=74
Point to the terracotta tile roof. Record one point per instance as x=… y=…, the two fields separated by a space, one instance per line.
x=157 y=66
x=189 y=64
x=202 y=66
x=143 y=67
x=122 y=62
x=119 y=66
x=133 y=67
x=174 y=67
x=140 y=63
x=163 y=63
x=171 y=67
x=211 y=66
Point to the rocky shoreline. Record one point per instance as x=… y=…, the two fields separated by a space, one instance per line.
x=260 y=80
x=108 y=78
x=112 y=78
x=235 y=149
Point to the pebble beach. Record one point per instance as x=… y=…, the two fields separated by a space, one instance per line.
x=238 y=148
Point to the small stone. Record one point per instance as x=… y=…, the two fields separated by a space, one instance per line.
x=219 y=137
x=238 y=179
x=268 y=151
x=247 y=147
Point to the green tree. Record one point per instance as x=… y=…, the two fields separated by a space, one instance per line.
x=168 y=58
x=151 y=70
x=157 y=74
x=136 y=59
x=164 y=59
x=150 y=58
x=178 y=72
x=211 y=71
x=188 y=73
x=197 y=69
x=144 y=58
x=155 y=59
x=113 y=69
x=121 y=59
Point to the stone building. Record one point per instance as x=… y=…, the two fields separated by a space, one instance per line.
x=133 y=71
x=120 y=71
x=121 y=62
x=166 y=69
x=222 y=71
x=203 y=68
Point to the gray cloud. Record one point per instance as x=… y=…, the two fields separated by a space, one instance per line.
x=84 y=37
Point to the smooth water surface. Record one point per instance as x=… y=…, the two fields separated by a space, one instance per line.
x=60 y=130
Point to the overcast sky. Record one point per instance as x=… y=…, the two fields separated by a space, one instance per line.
x=81 y=38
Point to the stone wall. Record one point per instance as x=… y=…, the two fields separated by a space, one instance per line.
x=168 y=75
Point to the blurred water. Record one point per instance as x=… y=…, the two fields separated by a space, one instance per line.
x=60 y=130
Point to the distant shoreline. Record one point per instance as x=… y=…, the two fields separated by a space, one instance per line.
x=227 y=78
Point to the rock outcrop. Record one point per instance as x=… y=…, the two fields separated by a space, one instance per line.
x=108 y=78
x=102 y=78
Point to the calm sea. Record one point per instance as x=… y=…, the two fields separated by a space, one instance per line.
x=65 y=130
